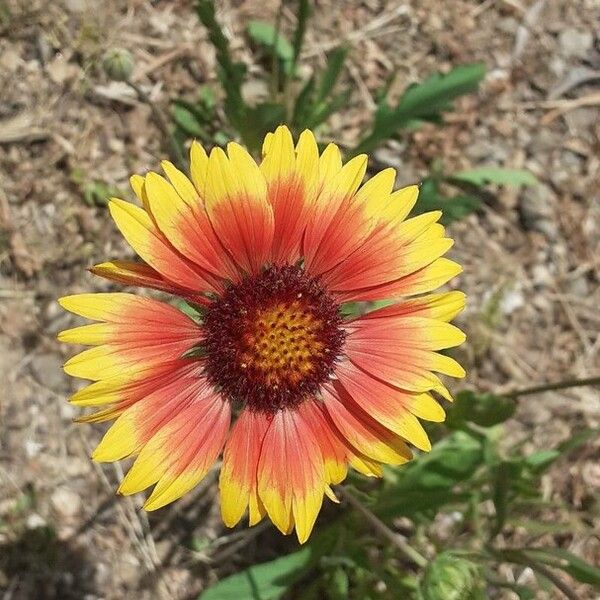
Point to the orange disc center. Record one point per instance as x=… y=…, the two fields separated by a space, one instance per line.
x=282 y=343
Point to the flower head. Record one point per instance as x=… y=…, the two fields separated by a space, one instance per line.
x=269 y=254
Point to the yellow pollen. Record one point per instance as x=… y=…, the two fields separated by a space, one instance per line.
x=282 y=343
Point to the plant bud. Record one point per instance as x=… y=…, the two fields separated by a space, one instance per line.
x=451 y=577
x=118 y=64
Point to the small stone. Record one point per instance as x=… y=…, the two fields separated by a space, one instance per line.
x=35 y=521
x=10 y=61
x=575 y=43
x=579 y=287
x=32 y=448
x=47 y=370
x=536 y=212
x=541 y=276
x=60 y=70
x=65 y=502
x=511 y=301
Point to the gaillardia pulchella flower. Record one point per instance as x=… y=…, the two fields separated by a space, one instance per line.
x=271 y=372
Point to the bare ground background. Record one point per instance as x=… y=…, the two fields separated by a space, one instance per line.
x=531 y=256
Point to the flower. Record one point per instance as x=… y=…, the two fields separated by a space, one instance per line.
x=269 y=255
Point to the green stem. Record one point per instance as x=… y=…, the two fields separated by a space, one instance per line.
x=382 y=528
x=275 y=58
x=172 y=146
x=559 y=385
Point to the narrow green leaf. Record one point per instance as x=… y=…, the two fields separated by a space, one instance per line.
x=188 y=122
x=499 y=175
x=572 y=564
x=274 y=42
x=304 y=104
x=436 y=93
x=302 y=17
x=539 y=461
x=231 y=74
x=422 y=102
x=322 y=112
x=339 y=584
x=335 y=62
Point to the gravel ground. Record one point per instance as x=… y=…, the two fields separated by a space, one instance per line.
x=530 y=256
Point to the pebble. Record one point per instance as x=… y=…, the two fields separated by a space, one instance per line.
x=579 y=287
x=35 y=521
x=575 y=43
x=65 y=502
x=536 y=212
x=511 y=301
x=47 y=370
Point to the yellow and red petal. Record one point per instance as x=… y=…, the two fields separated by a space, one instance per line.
x=389 y=254
x=444 y=306
x=180 y=454
x=337 y=224
x=139 y=274
x=123 y=390
x=404 y=332
x=138 y=422
x=393 y=408
x=146 y=239
x=128 y=320
x=334 y=451
x=291 y=175
x=139 y=333
x=362 y=432
x=403 y=366
x=182 y=219
x=237 y=205
x=291 y=474
x=238 y=479
x=423 y=280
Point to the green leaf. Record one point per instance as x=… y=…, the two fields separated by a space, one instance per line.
x=188 y=121
x=422 y=102
x=428 y=482
x=267 y=581
x=453 y=208
x=304 y=104
x=485 y=175
x=322 y=112
x=576 y=567
x=270 y=580
x=335 y=62
x=485 y=410
x=302 y=17
x=265 y=35
x=436 y=93
x=539 y=461
x=262 y=118
x=194 y=311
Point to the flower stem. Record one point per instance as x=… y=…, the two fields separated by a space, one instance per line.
x=174 y=150
x=559 y=385
x=382 y=528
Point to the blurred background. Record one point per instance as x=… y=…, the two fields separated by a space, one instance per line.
x=527 y=232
